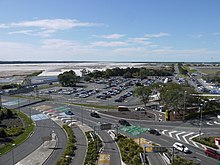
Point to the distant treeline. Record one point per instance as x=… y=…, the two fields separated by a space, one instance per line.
x=131 y=72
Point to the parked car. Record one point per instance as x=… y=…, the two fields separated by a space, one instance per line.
x=94 y=114
x=69 y=112
x=153 y=131
x=124 y=122
x=180 y=147
x=139 y=109
x=212 y=153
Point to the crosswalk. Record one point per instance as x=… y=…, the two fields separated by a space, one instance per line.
x=57 y=113
x=213 y=123
x=184 y=136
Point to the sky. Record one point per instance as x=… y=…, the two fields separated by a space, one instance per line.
x=110 y=30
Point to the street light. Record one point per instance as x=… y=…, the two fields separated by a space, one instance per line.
x=81 y=112
x=184 y=109
x=200 y=124
x=13 y=161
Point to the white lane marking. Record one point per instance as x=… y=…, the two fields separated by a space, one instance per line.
x=208 y=123
x=163 y=132
x=216 y=122
x=201 y=154
x=170 y=133
x=194 y=143
x=164 y=140
x=177 y=135
x=184 y=137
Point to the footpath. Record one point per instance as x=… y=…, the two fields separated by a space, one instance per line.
x=41 y=154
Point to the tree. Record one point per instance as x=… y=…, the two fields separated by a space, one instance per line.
x=68 y=78
x=143 y=92
x=3 y=134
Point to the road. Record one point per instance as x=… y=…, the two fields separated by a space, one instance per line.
x=170 y=133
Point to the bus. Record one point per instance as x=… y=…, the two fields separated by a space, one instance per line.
x=123 y=108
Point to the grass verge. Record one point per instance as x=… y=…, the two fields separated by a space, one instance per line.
x=28 y=129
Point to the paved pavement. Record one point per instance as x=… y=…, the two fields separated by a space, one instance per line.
x=41 y=154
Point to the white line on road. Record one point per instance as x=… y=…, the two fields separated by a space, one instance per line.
x=163 y=132
x=170 y=133
x=200 y=154
x=177 y=135
x=209 y=123
x=184 y=137
x=164 y=140
x=216 y=122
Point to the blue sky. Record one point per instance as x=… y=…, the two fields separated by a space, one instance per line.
x=110 y=30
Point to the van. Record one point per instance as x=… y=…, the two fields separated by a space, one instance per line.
x=123 y=108
x=212 y=153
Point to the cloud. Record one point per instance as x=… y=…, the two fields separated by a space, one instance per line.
x=112 y=36
x=56 y=49
x=139 y=40
x=157 y=35
x=216 y=33
x=47 y=26
x=109 y=44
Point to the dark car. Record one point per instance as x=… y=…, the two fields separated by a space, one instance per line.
x=153 y=131
x=69 y=113
x=124 y=122
x=94 y=114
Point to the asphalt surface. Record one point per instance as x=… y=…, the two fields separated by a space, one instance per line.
x=83 y=114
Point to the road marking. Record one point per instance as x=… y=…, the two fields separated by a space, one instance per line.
x=216 y=122
x=170 y=133
x=209 y=123
x=164 y=140
x=201 y=154
x=163 y=132
x=184 y=137
x=177 y=135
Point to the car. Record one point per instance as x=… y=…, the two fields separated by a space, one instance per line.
x=139 y=109
x=94 y=114
x=212 y=153
x=112 y=134
x=124 y=122
x=180 y=147
x=153 y=131
x=69 y=112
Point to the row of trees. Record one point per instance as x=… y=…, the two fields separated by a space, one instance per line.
x=182 y=70
x=171 y=94
x=214 y=78
x=69 y=78
x=131 y=72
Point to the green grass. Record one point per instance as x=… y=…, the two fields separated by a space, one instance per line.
x=209 y=141
x=29 y=128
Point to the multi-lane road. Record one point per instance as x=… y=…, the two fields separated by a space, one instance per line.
x=171 y=132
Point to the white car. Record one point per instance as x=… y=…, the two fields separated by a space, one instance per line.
x=180 y=147
x=139 y=109
x=112 y=134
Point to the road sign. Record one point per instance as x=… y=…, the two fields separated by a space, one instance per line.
x=159 y=149
x=106 y=126
x=104 y=159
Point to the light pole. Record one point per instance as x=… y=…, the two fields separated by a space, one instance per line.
x=13 y=160
x=200 y=124
x=18 y=104
x=29 y=108
x=81 y=113
x=184 y=108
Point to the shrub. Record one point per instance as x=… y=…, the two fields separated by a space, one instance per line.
x=209 y=141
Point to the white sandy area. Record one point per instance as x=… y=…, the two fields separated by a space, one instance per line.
x=53 y=69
